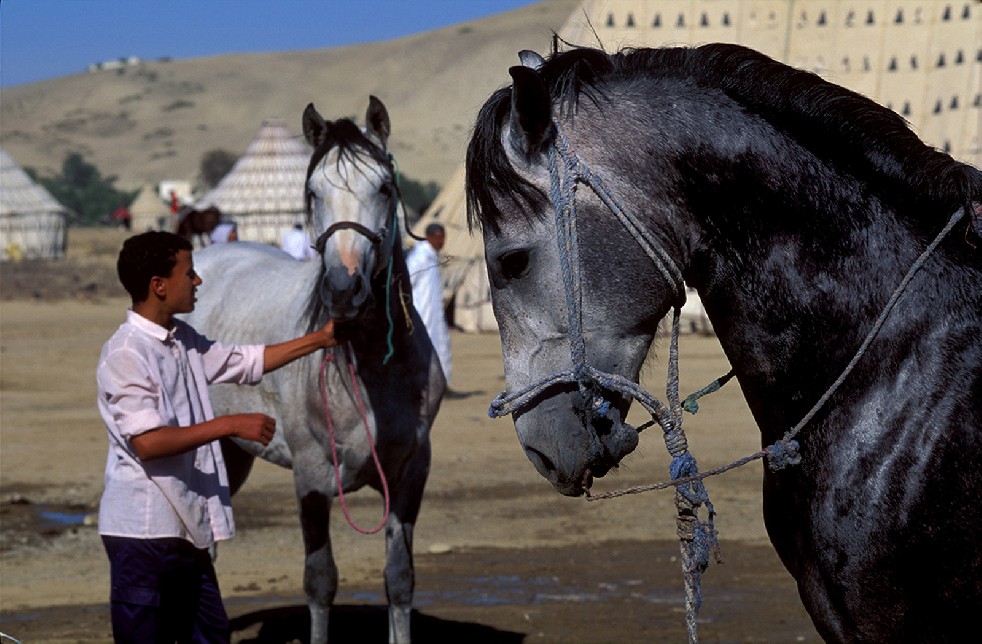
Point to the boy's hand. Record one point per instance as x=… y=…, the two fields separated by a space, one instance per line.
x=255 y=427
x=330 y=340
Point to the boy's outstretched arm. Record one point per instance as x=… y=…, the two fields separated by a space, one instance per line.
x=168 y=441
x=277 y=355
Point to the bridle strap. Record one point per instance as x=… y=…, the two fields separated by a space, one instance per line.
x=574 y=171
x=375 y=237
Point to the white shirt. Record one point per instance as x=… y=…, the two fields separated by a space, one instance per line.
x=423 y=263
x=150 y=377
x=297 y=244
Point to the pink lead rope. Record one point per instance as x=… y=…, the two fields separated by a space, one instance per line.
x=329 y=357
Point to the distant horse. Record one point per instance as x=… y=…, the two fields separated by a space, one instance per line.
x=193 y=222
x=795 y=208
x=383 y=387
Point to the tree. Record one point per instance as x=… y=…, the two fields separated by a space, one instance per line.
x=215 y=164
x=83 y=190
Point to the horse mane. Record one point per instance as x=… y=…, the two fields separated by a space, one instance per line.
x=353 y=145
x=838 y=125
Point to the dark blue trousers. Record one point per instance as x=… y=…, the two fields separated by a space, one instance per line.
x=164 y=591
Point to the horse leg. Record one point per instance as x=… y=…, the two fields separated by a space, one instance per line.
x=400 y=577
x=320 y=573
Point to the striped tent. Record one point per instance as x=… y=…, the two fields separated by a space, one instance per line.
x=32 y=223
x=263 y=192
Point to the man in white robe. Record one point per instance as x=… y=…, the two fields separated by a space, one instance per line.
x=424 y=272
x=296 y=243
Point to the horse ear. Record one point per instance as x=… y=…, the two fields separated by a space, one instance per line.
x=531 y=111
x=531 y=59
x=377 y=119
x=314 y=126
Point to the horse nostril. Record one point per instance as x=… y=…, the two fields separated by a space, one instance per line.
x=540 y=460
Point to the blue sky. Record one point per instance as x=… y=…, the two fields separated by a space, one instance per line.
x=42 y=39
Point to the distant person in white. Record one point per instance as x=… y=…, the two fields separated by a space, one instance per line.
x=424 y=272
x=296 y=243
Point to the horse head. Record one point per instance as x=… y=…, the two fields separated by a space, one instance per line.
x=351 y=201
x=570 y=422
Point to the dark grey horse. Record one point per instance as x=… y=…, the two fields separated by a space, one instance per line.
x=796 y=208
x=255 y=293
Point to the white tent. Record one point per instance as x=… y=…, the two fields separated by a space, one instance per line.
x=263 y=192
x=32 y=223
x=149 y=212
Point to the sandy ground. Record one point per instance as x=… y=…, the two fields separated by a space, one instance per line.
x=500 y=556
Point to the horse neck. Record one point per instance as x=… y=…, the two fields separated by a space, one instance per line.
x=793 y=262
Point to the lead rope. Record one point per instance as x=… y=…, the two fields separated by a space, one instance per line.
x=329 y=357
x=697 y=538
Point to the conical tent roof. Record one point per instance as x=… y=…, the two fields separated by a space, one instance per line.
x=149 y=212
x=148 y=204
x=268 y=179
x=20 y=195
x=32 y=222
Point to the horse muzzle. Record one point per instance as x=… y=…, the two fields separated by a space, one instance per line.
x=569 y=448
x=346 y=296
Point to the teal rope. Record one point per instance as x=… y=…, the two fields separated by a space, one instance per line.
x=690 y=405
x=388 y=277
x=388 y=290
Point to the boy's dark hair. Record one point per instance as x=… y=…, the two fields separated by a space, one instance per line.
x=434 y=228
x=145 y=256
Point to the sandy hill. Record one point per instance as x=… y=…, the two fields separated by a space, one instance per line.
x=155 y=120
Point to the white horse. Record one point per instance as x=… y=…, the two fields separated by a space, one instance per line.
x=356 y=415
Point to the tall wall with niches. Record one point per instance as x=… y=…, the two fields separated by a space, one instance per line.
x=920 y=58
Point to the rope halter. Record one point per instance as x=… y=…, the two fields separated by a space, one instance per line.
x=698 y=538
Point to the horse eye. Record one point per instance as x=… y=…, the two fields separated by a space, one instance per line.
x=513 y=264
x=385 y=189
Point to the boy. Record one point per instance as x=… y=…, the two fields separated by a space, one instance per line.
x=166 y=498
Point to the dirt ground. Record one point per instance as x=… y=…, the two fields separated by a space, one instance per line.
x=500 y=556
